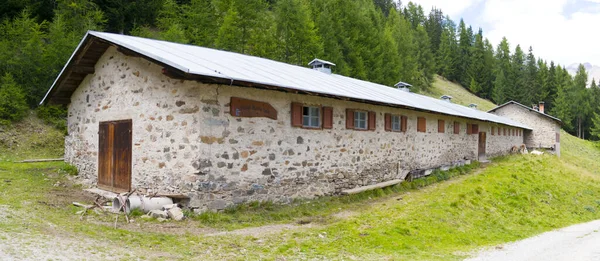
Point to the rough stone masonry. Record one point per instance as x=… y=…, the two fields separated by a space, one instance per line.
x=186 y=141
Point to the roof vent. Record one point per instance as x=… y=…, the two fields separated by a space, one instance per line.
x=321 y=65
x=446 y=98
x=473 y=106
x=403 y=86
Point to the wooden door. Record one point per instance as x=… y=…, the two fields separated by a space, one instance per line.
x=481 y=149
x=114 y=155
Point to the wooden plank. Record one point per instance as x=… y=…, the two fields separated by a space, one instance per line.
x=41 y=160
x=105 y=141
x=122 y=156
x=371 y=187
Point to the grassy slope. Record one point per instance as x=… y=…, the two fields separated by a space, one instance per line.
x=513 y=198
x=459 y=94
x=30 y=138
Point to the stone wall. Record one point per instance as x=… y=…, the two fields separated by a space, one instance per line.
x=185 y=140
x=544 y=130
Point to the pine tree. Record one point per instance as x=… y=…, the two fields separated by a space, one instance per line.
x=595 y=130
x=532 y=87
x=517 y=77
x=434 y=27
x=489 y=66
x=502 y=85
x=464 y=53
x=476 y=69
x=200 y=22
x=296 y=33
x=13 y=104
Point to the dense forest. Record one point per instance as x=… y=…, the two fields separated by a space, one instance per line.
x=382 y=41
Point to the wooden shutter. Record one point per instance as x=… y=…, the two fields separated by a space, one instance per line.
x=404 y=123
x=372 y=121
x=349 y=119
x=558 y=137
x=499 y=129
x=475 y=129
x=492 y=131
x=441 y=126
x=469 y=129
x=421 y=124
x=296 y=114
x=327 y=117
x=105 y=154
x=122 y=156
x=456 y=127
x=504 y=131
x=388 y=122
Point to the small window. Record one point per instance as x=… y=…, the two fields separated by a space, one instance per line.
x=311 y=117
x=492 y=131
x=441 y=126
x=499 y=134
x=504 y=131
x=475 y=129
x=360 y=120
x=421 y=124
x=396 y=123
x=456 y=127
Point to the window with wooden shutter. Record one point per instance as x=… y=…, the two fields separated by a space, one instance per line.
x=421 y=124
x=372 y=121
x=499 y=129
x=504 y=131
x=456 y=127
x=441 y=126
x=558 y=137
x=404 y=123
x=297 y=114
x=388 y=122
x=492 y=131
x=468 y=129
x=327 y=117
x=349 y=119
x=475 y=129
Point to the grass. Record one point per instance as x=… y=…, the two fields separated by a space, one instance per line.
x=30 y=138
x=442 y=217
x=459 y=94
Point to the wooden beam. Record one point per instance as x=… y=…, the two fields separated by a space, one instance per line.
x=84 y=69
x=371 y=187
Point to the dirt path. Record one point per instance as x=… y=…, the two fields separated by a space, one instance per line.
x=574 y=243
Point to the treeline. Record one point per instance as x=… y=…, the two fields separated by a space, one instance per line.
x=381 y=41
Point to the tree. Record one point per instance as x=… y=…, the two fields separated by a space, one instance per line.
x=502 y=85
x=532 y=86
x=434 y=27
x=516 y=76
x=595 y=130
x=296 y=33
x=13 y=105
x=464 y=53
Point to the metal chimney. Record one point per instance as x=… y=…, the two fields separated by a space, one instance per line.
x=321 y=65
x=446 y=98
x=541 y=107
x=403 y=86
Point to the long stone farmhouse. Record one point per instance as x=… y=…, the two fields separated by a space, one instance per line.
x=222 y=128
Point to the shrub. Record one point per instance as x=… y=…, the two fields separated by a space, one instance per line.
x=69 y=169
x=53 y=115
x=13 y=105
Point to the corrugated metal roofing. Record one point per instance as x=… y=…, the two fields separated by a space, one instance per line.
x=239 y=67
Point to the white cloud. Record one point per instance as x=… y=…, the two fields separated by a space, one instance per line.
x=542 y=24
x=449 y=7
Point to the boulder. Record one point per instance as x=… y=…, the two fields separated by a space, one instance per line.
x=158 y=214
x=175 y=213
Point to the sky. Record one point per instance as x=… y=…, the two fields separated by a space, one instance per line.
x=565 y=31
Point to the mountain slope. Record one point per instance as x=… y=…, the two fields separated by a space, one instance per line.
x=459 y=94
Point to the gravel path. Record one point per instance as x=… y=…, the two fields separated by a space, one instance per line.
x=574 y=243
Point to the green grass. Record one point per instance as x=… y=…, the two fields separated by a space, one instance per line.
x=30 y=138
x=459 y=94
x=441 y=217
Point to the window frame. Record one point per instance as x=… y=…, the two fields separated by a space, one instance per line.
x=422 y=124
x=365 y=121
x=399 y=118
x=319 y=116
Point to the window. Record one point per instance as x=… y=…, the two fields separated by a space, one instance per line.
x=456 y=127
x=504 y=131
x=360 y=120
x=499 y=131
x=441 y=126
x=395 y=123
x=421 y=124
x=311 y=117
x=475 y=129
x=492 y=131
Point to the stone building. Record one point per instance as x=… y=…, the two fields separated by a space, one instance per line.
x=545 y=132
x=224 y=128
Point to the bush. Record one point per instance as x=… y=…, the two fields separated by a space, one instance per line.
x=13 y=105
x=69 y=169
x=53 y=115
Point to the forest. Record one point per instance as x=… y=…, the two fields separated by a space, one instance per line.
x=382 y=41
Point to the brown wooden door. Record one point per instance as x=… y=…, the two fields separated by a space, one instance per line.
x=481 y=150
x=114 y=155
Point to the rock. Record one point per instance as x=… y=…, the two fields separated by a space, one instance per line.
x=161 y=219
x=158 y=214
x=170 y=206
x=145 y=217
x=218 y=204
x=175 y=213
x=537 y=152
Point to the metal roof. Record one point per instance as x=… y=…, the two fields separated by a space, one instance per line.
x=238 y=68
x=529 y=108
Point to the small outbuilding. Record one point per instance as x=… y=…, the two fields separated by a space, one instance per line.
x=545 y=129
x=223 y=128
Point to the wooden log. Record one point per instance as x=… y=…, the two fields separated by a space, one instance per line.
x=40 y=160
x=371 y=187
x=77 y=204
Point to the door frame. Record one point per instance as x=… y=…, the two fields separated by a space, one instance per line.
x=112 y=155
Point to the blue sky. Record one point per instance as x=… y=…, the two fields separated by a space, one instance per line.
x=566 y=31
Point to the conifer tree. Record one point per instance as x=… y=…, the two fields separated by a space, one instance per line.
x=297 y=37
x=517 y=77
x=464 y=49
x=532 y=91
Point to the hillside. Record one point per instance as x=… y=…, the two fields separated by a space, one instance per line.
x=459 y=94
